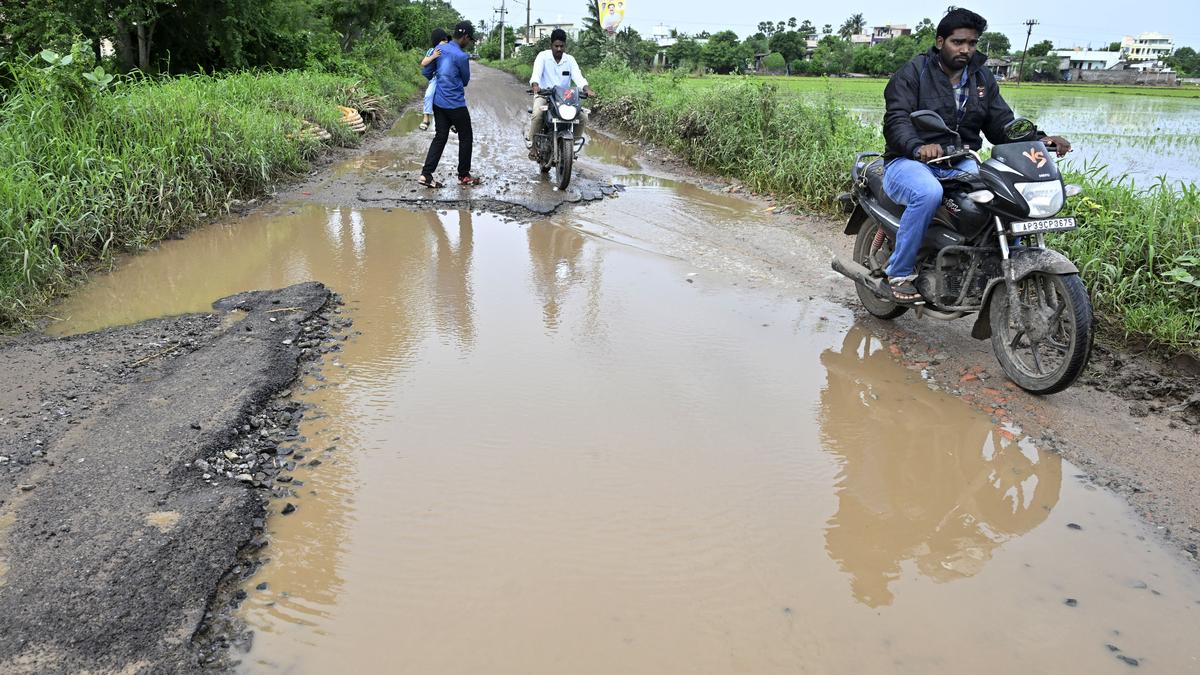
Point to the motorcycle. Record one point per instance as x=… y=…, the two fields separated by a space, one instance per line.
x=556 y=146
x=984 y=253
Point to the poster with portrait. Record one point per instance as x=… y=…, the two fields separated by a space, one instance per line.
x=612 y=12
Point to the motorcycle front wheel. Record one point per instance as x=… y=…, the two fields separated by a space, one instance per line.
x=873 y=254
x=1049 y=353
x=566 y=157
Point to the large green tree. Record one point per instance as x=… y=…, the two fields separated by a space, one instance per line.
x=724 y=53
x=685 y=53
x=1185 y=61
x=833 y=56
x=852 y=26
x=994 y=44
x=1040 y=49
x=790 y=44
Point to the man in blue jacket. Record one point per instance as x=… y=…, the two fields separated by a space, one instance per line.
x=951 y=80
x=450 y=107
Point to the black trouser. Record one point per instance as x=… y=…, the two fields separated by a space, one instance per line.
x=460 y=118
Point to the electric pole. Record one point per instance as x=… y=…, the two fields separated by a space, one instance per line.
x=1021 y=68
x=501 y=10
x=528 y=19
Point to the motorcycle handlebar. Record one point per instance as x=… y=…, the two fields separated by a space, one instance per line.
x=549 y=93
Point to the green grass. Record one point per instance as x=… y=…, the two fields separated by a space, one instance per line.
x=86 y=172
x=1138 y=248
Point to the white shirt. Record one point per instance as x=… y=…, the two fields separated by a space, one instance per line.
x=548 y=73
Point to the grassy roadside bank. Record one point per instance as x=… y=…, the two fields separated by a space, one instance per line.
x=89 y=169
x=1138 y=249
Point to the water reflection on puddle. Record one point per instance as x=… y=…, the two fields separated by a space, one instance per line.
x=550 y=453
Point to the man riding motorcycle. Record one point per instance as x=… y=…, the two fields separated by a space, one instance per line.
x=554 y=68
x=951 y=80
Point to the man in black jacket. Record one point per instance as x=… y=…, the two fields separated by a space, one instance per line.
x=951 y=80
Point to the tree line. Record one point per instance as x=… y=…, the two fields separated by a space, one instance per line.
x=180 y=36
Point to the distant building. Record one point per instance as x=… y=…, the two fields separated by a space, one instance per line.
x=1147 y=47
x=663 y=36
x=543 y=30
x=861 y=39
x=1002 y=68
x=881 y=33
x=1087 y=59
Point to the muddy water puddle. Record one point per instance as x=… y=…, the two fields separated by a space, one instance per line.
x=550 y=452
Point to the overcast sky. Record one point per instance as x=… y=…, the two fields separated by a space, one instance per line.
x=1065 y=23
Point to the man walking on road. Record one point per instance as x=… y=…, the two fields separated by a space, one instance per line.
x=450 y=107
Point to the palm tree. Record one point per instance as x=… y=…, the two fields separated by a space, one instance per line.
x=591 y=22
x=852 y=26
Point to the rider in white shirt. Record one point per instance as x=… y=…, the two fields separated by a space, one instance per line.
x=554 y=68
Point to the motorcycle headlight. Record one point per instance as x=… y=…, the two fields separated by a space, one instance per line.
x=567 y=112
x=1044 y=198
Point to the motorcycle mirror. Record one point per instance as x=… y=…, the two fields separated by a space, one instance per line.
x=1019 y=129
x=928 y=120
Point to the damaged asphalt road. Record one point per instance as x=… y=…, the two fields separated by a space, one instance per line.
x=111 y=541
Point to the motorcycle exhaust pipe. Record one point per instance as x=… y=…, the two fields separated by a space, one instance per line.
x=852 y=270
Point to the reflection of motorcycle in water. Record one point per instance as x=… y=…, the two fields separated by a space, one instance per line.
x=917 y=484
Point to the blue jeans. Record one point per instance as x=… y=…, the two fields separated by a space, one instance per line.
x=915 y=185
x=428 y=109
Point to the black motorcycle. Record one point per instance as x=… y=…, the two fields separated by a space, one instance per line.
x=557 y=145
x=984 y=253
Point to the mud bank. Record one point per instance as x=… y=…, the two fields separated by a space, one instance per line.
x=113 y=535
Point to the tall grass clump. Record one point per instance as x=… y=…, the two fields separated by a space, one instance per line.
x=1139 y=251
x=784 y=145
x=89 y=165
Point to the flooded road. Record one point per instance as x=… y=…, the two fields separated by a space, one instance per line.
x=613 y=441
x=548 y=452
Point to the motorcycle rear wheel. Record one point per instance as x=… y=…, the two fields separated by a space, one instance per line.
x=874 y=260
x=1049 y=356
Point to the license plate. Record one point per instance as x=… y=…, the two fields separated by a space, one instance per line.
x=1048 y=225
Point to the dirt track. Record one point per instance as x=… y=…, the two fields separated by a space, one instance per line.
x=112 y=545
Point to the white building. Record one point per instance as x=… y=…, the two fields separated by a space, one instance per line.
x=662 y=36
x=541 y=30
x=1147 y=47
x=881 y=33
x=1087 y=59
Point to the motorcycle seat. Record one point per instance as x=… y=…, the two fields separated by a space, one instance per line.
x=874 y=176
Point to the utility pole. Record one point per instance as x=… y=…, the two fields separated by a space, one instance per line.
x=1021 y=68
x=501 y=10
x=528 y=19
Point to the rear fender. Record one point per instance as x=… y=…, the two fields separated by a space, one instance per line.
x=857 y=217
x=1025 y=261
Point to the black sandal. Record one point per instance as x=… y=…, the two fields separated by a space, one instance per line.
x=430 y=182
x=905 y=293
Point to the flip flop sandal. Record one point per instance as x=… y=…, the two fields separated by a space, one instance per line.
x=424 y=126
x=905 y=293
x=430 y=182
x=469 y=181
